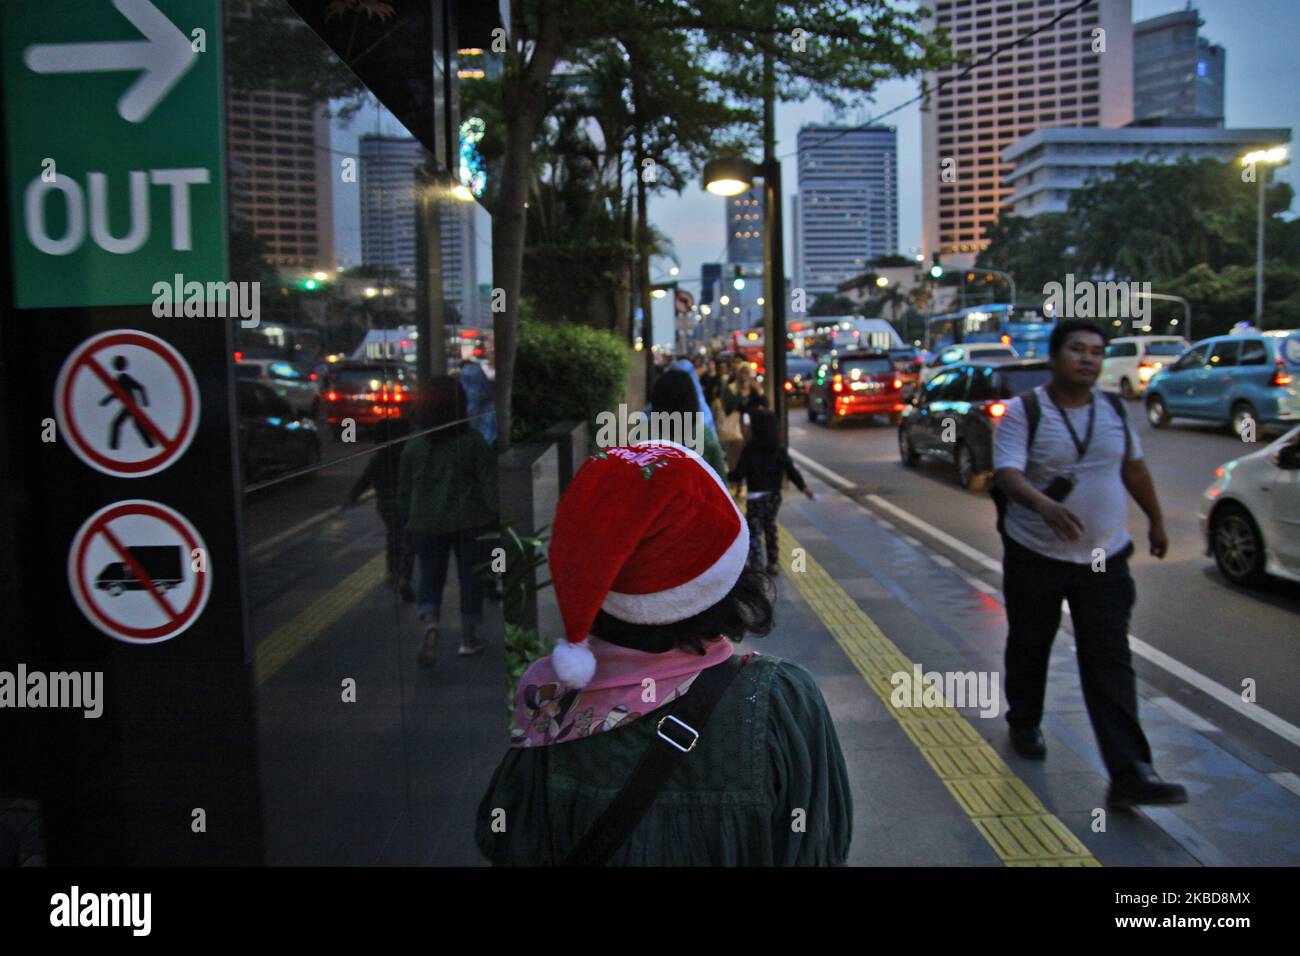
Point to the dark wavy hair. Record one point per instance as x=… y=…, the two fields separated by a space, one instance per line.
x=747 y=609
x=674 y=392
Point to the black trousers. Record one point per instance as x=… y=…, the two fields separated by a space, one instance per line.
x=1100 y=605
x=760 y=514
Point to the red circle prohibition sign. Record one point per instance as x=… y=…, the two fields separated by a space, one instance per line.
x=84 y=358
x=178 y=619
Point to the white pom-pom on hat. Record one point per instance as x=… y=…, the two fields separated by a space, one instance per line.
x=574 y=663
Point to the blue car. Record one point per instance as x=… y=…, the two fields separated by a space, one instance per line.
x=1229 y=379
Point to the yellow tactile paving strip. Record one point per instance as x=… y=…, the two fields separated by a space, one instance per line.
x=295 y=635
x=1019 y=829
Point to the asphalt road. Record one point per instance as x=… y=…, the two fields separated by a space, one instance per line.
x=1185 y=608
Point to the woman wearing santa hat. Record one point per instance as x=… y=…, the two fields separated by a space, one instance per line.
x=644 y=739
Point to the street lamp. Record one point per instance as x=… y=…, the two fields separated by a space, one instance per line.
x=1262 y=157
x=881 y=281
x=731 y=177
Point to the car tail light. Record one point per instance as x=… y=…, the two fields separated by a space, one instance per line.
x=1281 y=377
x=312 y=376
x=1006 y=339
x=837 y=383
x=331 y=396
x=1218 y=472
x=239 y=356
x=1148 y=363
x=898 y=383
x=996 y=409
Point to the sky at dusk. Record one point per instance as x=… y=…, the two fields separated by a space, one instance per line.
x=1262 y=89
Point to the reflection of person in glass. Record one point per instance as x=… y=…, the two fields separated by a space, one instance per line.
x=381 y=472
x=447 y=492
x=131 y=387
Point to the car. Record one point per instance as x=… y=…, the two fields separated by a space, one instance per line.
x=273 y=436
x=1229 y=379
x=965 y=352
x=855 y=384
x=953 y=416
x=1250 y=515
x=1132 y=360
x=799 y=375
x=907 y=363
x=296 y=386
x=367 y=393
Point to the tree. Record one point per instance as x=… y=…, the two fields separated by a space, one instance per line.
x=837 y=49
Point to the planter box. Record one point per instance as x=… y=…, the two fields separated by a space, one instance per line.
x=529 y=480
x=570 y=439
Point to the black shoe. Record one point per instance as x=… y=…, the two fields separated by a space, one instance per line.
x=1029 y=743
x=1142 y=785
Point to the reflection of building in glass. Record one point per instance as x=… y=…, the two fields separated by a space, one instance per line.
x=280 y=175
x=848 y=203
x=1062 y=79
x=1176 y=73
x=388 y=165
x=387 y=178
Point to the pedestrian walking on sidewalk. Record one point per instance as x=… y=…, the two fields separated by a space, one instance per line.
x=480 y=401
x=643 y=738
x=678 y=392
x=1064 y=456
x=447 y=491
x=763 y=467
x=381 y=473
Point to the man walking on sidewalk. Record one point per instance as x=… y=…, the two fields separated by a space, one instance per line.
x=1064 y=454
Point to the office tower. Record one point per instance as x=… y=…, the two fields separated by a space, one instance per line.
x=847 y=211
x=1050 y=164
x=1076 y=73
x=281 y=176
x=387 y=178
x=1176 y=72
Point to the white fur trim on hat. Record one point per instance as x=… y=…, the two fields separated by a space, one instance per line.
x=574 y=663
x=701 y=592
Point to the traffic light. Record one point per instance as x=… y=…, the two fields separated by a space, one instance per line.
x=936 y=270
x=738 y=282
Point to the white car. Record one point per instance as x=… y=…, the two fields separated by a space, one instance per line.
x=1250 y=516
x=297 y=387
x=1132 y=360
x=955 y=354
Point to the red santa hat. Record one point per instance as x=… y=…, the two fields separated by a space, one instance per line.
x=648 y=533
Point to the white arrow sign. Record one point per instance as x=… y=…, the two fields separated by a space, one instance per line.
x=163 y=57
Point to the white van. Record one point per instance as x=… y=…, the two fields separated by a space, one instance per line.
x=1132 y=360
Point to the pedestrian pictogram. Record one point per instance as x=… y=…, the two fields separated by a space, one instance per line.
x=138 y=571
x=127 y=403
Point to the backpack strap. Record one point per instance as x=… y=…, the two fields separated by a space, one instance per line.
x=1117 y=403
x=679 y=730
x=1033 y=412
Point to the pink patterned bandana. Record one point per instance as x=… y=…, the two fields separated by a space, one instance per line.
x=628 y=684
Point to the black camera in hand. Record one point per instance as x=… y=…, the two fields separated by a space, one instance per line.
x=1060 y=487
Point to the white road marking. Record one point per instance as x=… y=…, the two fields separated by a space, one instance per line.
x=1229 y=698
x=1288 y=780
x=827 y=475
x=940 y=560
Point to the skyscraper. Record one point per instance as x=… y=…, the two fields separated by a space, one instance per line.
x=847 y=211
x=1176 y=72
x=1076 y=73
x=281 y=175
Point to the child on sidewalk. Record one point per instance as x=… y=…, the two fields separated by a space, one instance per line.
x=764 y=464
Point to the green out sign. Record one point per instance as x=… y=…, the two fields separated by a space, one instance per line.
x=113 y=122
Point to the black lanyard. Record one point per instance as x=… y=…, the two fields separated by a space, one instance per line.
x=1080 y=446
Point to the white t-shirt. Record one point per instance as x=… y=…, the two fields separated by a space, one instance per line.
x=1099 y=497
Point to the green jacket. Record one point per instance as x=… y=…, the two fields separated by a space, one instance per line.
x=449 y=485
x=767 y=786
x=713 y=453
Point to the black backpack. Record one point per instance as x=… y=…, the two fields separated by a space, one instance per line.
x=1034 y=412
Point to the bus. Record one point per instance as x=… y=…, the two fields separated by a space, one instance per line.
x=1024 y=328
x=750 y=343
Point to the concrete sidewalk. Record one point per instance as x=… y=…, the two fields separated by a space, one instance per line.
x=941 y=786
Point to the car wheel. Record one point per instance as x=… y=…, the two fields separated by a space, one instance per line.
x=1157 y=414
x=1126 y=389
x=965 y=465
x=1237 y=544
x=906 y=451
x=1242 y=413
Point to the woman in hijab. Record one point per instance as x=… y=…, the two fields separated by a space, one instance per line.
x=678 y=391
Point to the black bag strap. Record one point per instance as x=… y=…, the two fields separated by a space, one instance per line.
x=1033 y=412
x=1117 y=403
x=678 y=733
